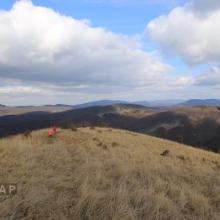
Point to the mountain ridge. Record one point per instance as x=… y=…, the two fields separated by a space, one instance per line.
x=202 y=102
x=195 y=126
x=152 y=103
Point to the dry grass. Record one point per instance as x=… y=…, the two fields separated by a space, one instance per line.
x=22 y=110
x=197 y=113
x=71 y=177
x=132 y=111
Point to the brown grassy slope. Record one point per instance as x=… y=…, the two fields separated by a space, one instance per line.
x=22 y=110
x=198 y=113
x=107 y=174
x=134 y=111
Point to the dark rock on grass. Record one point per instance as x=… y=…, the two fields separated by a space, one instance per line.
x=166 y=153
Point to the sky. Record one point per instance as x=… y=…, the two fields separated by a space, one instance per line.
x=70 y=52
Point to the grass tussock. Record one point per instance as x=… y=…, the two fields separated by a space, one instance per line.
x=72 y=176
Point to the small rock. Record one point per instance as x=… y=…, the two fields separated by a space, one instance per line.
x=165 y=153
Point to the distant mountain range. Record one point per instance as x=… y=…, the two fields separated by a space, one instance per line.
x=202 y=102
x=164 y=103
x=154 y=103
x=99 y=103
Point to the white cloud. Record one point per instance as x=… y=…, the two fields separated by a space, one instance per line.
x=46 y=58
x=39 y=44
x=210 y=77
x=191 y=35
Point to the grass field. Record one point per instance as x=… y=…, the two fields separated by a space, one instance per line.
x=198 y=113
x=22 y=110
x=102 y=173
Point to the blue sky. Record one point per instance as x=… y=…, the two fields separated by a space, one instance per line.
x=126 y=51
x=125 y=18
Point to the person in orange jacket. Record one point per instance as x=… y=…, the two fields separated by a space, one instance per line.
x=52 y=131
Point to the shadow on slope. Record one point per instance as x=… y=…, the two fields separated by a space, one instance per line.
x=168 y=124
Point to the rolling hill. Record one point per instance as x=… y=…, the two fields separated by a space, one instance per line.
x=103 y=173
x=195 y=126
x=156 y=103
x=6 y=110
x=99 y=103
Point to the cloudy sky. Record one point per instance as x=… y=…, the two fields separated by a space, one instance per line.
x=76 y=51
